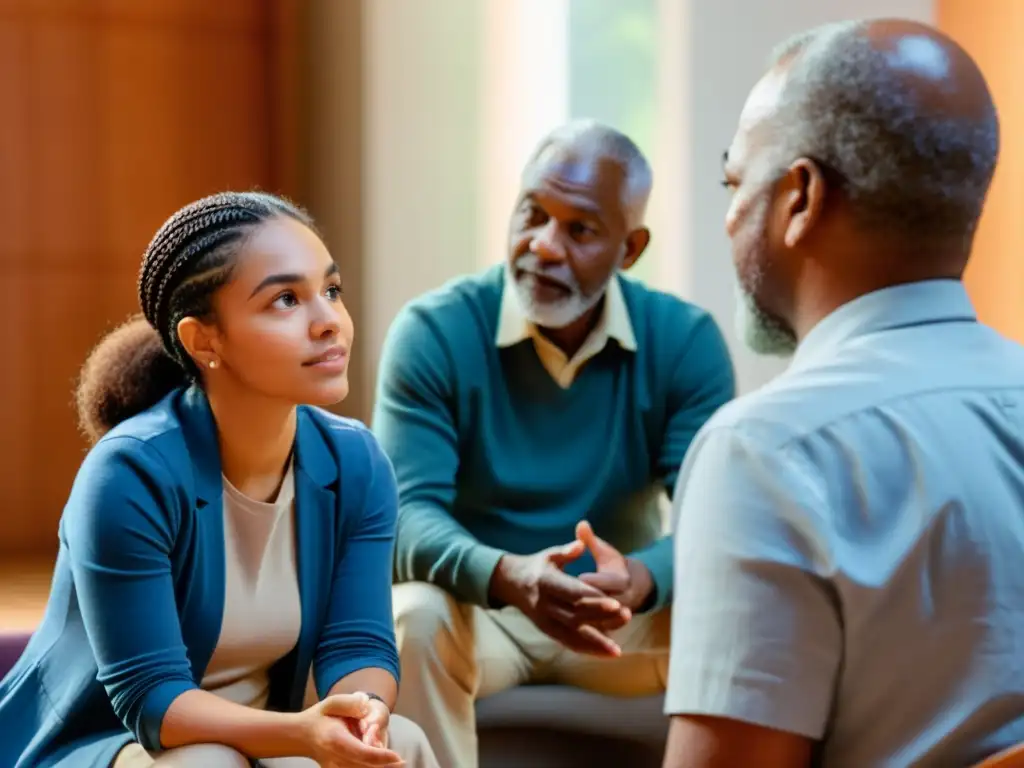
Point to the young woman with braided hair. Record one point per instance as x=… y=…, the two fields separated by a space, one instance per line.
x=222 y=538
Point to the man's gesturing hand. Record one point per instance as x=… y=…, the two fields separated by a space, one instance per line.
x=575 y=614
x=617 y=576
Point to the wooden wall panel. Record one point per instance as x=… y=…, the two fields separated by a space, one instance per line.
x=116 y=112
x=991 y=32
x=16 y=169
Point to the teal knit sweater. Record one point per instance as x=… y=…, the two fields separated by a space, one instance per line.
x=492 y=456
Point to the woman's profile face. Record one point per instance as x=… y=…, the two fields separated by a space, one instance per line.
x=282 y=329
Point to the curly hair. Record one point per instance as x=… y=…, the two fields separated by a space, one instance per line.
x=191 y=256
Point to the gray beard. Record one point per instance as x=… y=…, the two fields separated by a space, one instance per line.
x=554 y=316
x=761 y=333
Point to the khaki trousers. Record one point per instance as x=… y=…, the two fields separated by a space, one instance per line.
x=404 y=737
x=452 y=654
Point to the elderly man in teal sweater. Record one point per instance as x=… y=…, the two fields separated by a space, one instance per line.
x=536 y=414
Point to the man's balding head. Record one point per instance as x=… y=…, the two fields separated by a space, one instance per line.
x=902 y=117
x=862 y=159
x=592 y=139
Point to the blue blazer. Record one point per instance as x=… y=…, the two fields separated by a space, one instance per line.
x=138 y=593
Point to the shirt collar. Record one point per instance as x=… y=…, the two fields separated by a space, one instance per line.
x=901 y=306
x=614 y=322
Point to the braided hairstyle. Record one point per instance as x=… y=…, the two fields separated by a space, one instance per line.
x=191 y=256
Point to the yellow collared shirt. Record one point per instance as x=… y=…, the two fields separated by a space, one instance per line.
x=614 y=323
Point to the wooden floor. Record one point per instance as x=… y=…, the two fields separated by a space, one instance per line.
x=24 y=587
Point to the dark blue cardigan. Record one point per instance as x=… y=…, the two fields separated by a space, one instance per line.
x=138 y=593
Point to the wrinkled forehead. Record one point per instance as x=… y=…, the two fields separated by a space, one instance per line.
x=577 y=172
x=753 y=132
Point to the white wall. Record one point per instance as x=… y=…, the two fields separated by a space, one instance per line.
x=421 y=112
x=524 y=91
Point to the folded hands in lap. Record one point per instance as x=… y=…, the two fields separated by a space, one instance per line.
x=349 y=731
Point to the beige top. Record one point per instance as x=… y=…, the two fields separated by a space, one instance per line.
x=262 y=614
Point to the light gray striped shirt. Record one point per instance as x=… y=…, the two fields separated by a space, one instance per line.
x=850 y=541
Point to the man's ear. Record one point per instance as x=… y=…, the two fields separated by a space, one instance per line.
x=636 y=243
x=803 y=199
x=198 y=339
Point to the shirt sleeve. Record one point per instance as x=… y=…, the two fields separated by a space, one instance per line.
x=119 y=528
x=702 y=382
x=756 y=633
x=415 y=422
x=359 y=632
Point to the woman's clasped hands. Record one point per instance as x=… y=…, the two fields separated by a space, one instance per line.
x=349 y=730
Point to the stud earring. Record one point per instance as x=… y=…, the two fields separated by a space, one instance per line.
x=213 y=363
